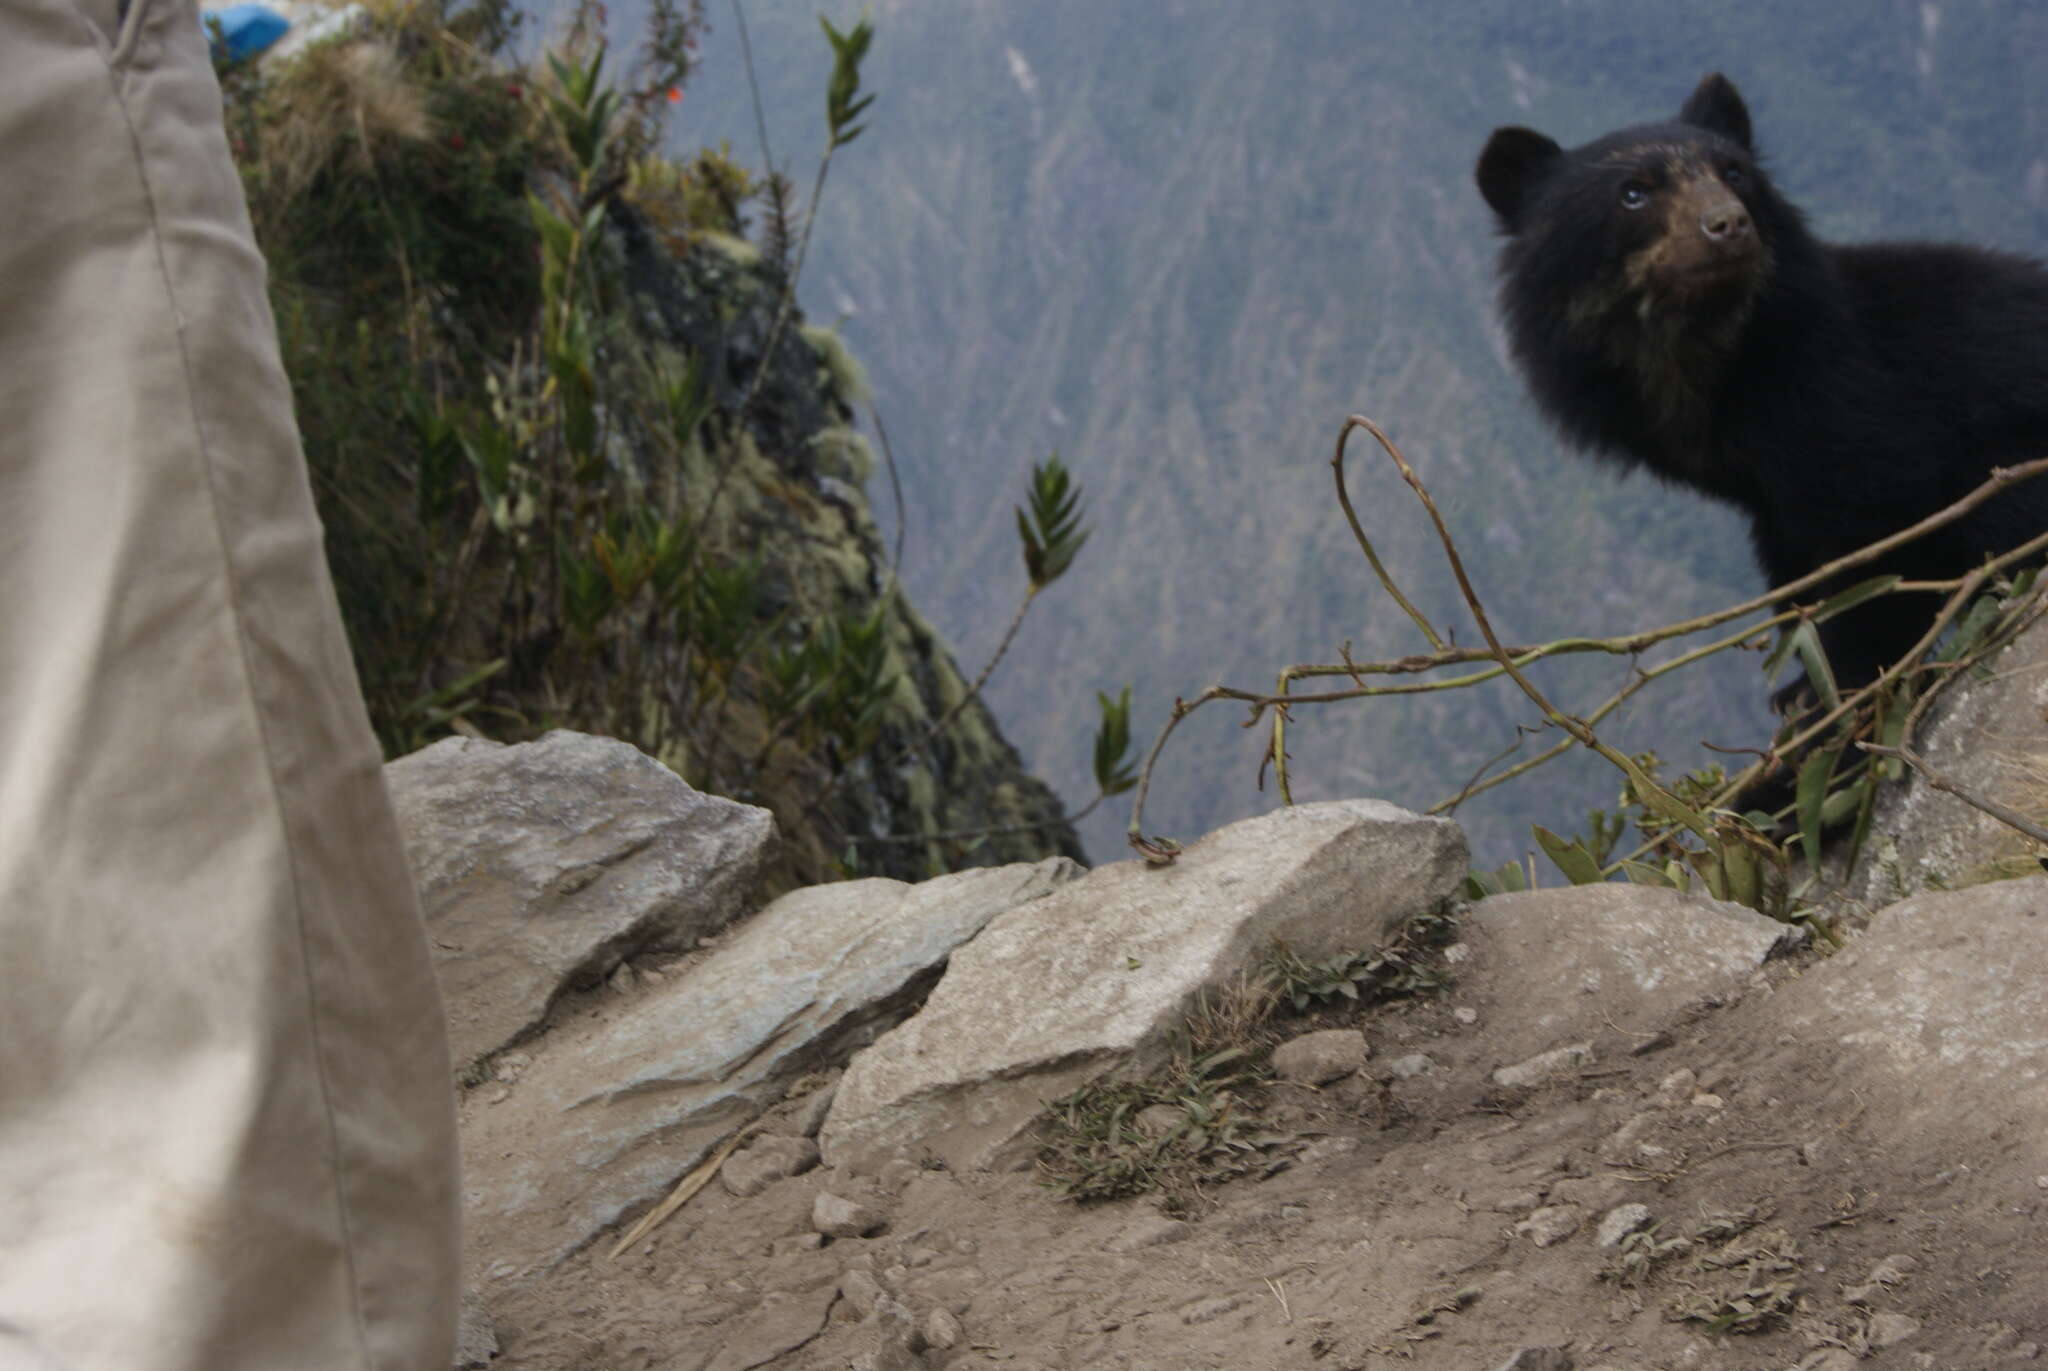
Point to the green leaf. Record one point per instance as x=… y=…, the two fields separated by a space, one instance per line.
x=1812 y=792
x=1641 y=873
x=1571 y=857
x=1855 y=595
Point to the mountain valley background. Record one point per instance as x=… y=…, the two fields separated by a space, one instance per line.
x=1179 y=242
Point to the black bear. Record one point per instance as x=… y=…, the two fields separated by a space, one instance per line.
x=1670 y=310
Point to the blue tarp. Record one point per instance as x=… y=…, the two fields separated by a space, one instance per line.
x=244 y=30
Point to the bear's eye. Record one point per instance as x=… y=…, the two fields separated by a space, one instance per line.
x=1733 y=176
x=1634 y=195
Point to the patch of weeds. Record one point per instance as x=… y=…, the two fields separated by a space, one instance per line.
x=1197 y=1122
x=1765 y=1264
x=1640 y=1254
x=1400 y=969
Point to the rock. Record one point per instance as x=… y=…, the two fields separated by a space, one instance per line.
x=783 y=1323
x=1097 y=977
x=1895 y=1268
x=765 y=1161
x=1412 y=1065
x=1550 y=1225
x=1319 y=1058
x=1538 y=1359
x=838 y=1217
x=609 y=1117
x=810 y=1117
x=901 y=1339
x=476 y=1341
x=1153 y=1231
x=1619 y=1222
x=1950 y=986
x=1544 y=1065
x=1568 y=964
x=1158 y=1120
x=861 y=1290
x=942 y=1330
x=543 y=865
x=1465 y=1015
x=1922 y=838
x=1888 y=1330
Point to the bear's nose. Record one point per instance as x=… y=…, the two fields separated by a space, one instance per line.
x=1725 y=221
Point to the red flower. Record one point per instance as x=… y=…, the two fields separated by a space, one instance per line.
x=455 y=141
x=675 y=94
x=515 y=92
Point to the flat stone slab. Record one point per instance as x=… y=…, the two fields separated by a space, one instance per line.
x=1936 y=1019
x=1578 y=964
x=1094 y=979
x=606 y=1120
x=542 y=865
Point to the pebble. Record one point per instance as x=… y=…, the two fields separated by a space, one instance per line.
x=1413 y=1065
x=1319 y=1058
x=942 y=1330
x=837 y=1217
x=766 y=1160
x=1619 y=1222
x=1545 y=1064
x=1551 y=1224
x=1887 y=1330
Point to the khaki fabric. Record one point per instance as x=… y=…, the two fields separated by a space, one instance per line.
x=226 y=1125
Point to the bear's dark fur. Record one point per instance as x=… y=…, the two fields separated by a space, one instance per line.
x=1670 y=310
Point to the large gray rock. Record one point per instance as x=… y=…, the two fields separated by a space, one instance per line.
x=1987 y=734
x=607 y=1119
x=1935 y=1022
x=1094 y=979
x=541 y=865
x=1570 y=965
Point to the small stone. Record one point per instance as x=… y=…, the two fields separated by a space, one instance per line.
x=1158 y=1120
x=1887 y=1330
x=1679 y=1085
x=1538 y=1359
x=1465 y=1015
x=1619 y=1222
x=810 y=1115
x=1215 y=1307
x=942 y=1330
x=1551 y=1224
x=837 y=1217
x=896 y=1174
x=860 y=1290
x=1154 y=1231
x=766 y=1160
x=1545 y=1064
x=901 y=1338
x=1413 y=1065
x=1703 y=1100
x=1457 y=952
x=1894 y=1268
x=1319 y=1058
x=498 y=1094
x=920 y=1256
x=1517 y=1202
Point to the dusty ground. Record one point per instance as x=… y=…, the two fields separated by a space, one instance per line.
x=1391 y=1240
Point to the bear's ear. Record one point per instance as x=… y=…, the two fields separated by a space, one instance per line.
x=1514 y=160
x=1717 y=108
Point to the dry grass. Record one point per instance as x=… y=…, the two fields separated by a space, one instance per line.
x=336 y=95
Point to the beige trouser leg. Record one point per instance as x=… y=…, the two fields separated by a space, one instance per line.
x=226 y=1132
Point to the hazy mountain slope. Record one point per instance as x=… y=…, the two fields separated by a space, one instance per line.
x=1179 y=243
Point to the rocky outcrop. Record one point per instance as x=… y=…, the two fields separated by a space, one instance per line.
x=1093 y=980
x=544 y=865
x=627 y=1099
x=1989 y=734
